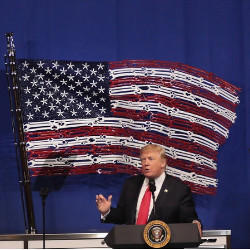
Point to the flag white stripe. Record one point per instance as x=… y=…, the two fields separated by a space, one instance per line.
x=121 y=123
x=192 y=177
x=160 y=108
x=118 y=141
x=174 y=75
x=176 y=94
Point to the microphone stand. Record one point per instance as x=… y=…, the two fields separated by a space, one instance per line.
x=152 y=188
x=153 y=193
x=44 y=193
x=46 y=184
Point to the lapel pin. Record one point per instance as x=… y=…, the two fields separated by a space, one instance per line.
x=165 y=191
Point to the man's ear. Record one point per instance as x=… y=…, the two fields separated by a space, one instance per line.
x=164 y=163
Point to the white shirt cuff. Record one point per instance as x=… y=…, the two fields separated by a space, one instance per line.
x=103 y=217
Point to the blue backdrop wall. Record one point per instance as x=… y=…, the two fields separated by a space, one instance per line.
x=213 y=35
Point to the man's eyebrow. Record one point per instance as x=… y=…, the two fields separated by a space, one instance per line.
x=147 y=157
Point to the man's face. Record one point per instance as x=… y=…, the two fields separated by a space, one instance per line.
x=152 y=164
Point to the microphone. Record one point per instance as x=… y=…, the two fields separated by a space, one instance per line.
x=152 y=189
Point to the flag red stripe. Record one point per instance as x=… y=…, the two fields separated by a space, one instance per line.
x=125 y=132
x=176 y=66
x=95 y=168
x=109 y=169
x=185 y=165
x=179 y=104
x=172 y=122
x=93 y=149
x=168 y=83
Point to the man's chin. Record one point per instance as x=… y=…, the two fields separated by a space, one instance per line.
x=148 y=175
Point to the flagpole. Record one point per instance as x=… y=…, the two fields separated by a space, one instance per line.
x=17 y=125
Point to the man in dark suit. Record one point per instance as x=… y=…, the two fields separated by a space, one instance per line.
x=174 y=203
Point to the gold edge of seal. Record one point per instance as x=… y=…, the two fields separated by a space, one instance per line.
x=164 y=242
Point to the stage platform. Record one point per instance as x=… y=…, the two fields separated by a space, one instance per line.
x=211 y=239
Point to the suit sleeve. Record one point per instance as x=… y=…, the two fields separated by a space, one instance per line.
x=187 y=211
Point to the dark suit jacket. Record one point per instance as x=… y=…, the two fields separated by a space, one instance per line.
x=174 y=203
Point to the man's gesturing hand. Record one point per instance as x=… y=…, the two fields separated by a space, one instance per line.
x=103 y=205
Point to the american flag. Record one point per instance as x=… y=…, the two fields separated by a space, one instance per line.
x=93 y=117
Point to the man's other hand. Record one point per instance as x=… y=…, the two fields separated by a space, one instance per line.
x=103 y=204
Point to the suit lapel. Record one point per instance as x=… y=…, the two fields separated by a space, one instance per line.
x=162 y=197
x=164 y=191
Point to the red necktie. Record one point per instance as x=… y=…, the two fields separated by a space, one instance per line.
x=144 y=208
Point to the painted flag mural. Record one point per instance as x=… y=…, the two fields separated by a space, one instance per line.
x=93 y=117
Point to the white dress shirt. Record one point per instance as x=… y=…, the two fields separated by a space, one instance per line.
x=158 y=184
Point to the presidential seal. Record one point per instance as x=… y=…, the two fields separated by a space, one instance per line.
x=156 y=234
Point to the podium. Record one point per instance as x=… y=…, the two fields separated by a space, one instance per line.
x=183 y=235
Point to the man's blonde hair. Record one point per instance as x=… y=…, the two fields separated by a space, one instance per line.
x=155 y=147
